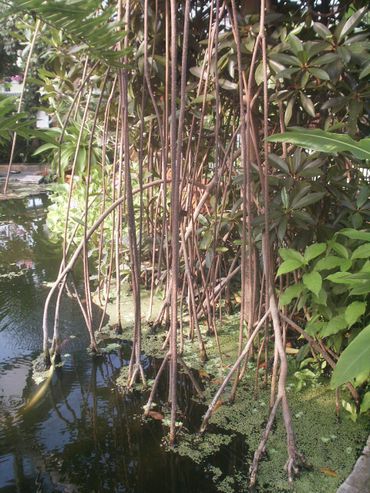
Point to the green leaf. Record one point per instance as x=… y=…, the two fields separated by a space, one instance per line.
x=290 y=254
x=365 y=71
x=314 y=326
x=363 y=251
x=356 y=279
x=44 y=148
x=339 y=249
x=350 y=24
x=324 y=59
x=78 y=220
x=287 y=73
x=309 y=199
x=321 y=298
x=313 y=251
x=363 y=196
x=228 y=85
x=285 y=198
x=354 y=311
x=354 y=360
x=289 y=266
x=285 y=59
x=259 y=74
x=289 y=110
x=360 y=289
x=319 y=73
x=365 y=404
x=319 y=140
x=307 y=104
x=328 y=263
x=290 y=293
x=295 y=44
x=355 y=234
x=322 y=30
x=279 y=163
x=313 y=281
x=335 y=325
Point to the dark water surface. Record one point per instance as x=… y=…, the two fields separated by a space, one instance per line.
x=83 y=435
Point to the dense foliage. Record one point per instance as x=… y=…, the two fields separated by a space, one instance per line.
x=130 y=113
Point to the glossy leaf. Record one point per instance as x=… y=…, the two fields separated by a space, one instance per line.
x=319 y=140
x=365 y=72
x=309 y=199
x=307 y=104
x=354 y=360
x=279 y=163
x=289 y=110
x=319 y=73
x=350 y=24
x=322 y=30
x=325 y=59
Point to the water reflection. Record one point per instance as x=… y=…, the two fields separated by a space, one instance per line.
x=84 y=435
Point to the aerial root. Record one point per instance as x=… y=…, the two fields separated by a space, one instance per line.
x=155 y=385
x=295 y=460
x=262 y=445
x=191 y=377
x=291 y=467
x=137 y=370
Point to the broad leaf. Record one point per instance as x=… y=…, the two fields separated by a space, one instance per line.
x=290 y=293
x=339 y=249
x=354 y=311
x=289 y=266
x=363 y=251
x=279 y=163
x=354 y=360
x=319 y=73
x=309 y=199
x=313 y=281
x=322 y=30
x=350 y=24
x=348 y=278
x=365 y=404
x=289 y=253
x=355 y=234
x=313 y=251
x=289 y=111
x=322 y=141
x=328 y=263
x=228 y=85
x=335 y=325
x=307 y=104
x=365 y=71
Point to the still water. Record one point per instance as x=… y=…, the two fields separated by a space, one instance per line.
x=83 y=435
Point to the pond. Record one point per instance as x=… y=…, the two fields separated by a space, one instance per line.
x=83 y=435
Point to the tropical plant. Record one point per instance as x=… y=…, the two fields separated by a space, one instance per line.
x=175 y=146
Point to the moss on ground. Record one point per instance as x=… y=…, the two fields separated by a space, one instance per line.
x=330 y=447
